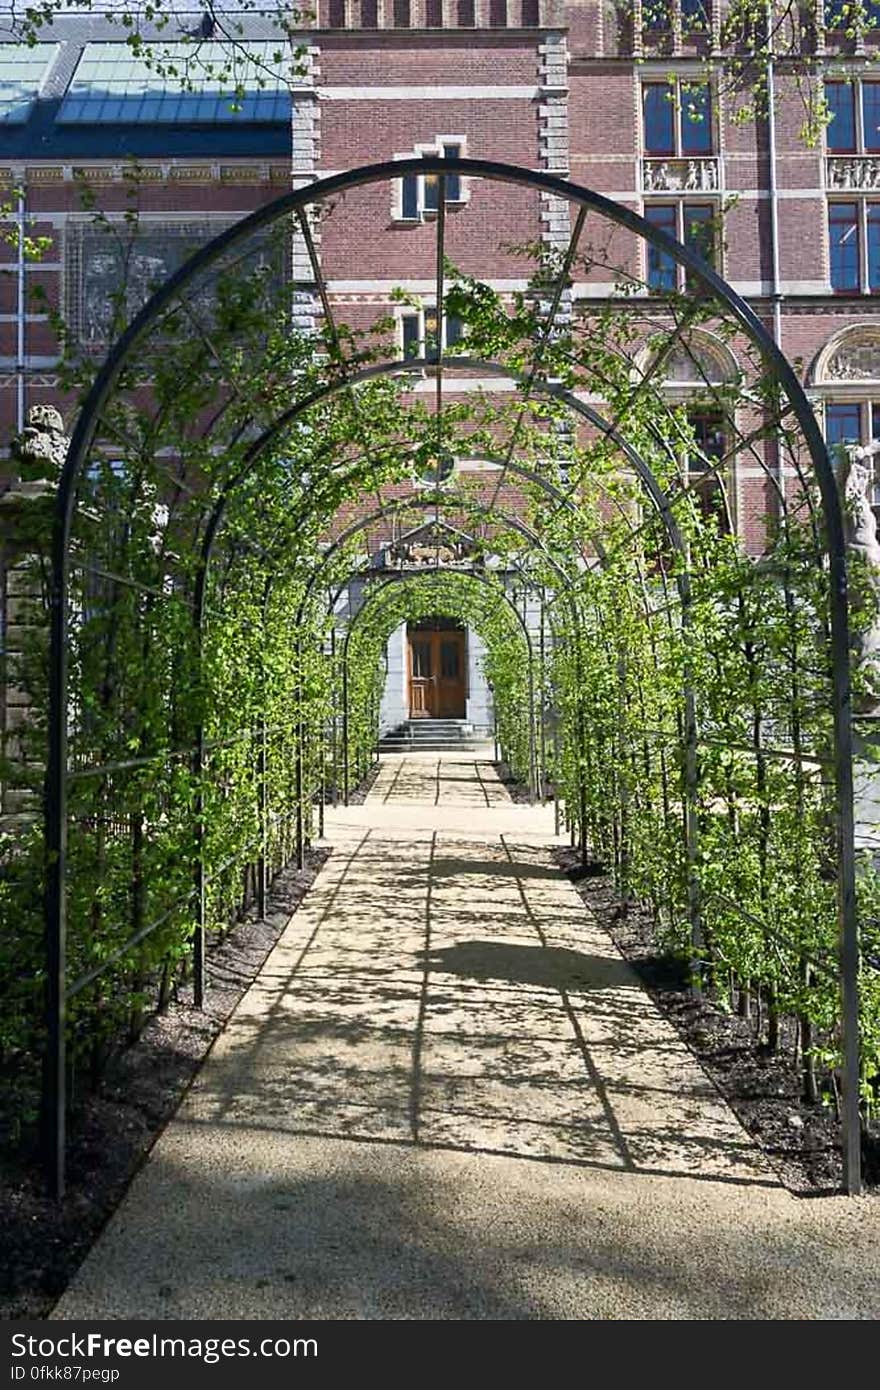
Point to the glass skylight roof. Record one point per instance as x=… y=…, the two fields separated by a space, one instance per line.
x=112 y=85
x=23 y=71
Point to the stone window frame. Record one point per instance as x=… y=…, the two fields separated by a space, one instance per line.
x=434 y=147
x=419 y=312
x=838 y=377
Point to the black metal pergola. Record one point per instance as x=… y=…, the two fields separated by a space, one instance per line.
x=343 y=380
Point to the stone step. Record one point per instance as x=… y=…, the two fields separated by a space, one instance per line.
x=432 y=746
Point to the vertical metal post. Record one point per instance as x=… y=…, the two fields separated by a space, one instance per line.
x=846 y=872
x=322 y=789
x=262 y=800
x=345 y=764
x=300 y=831
x=198 y=936
x=532 y=751
x=691 y=775
x=21 y=315
x=334 y=729
x=624 y=780
x=542 y=727
x=54 y=1098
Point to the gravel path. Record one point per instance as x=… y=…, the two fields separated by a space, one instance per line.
x=446 y=1095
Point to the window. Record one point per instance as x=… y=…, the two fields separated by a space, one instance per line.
x=841 y=15
x=854 y=242
x=854 y=422
x=662 y=269
x=709 y=438
x=677 y=119
x=695 y=16
x=691 y=223
x=701 y=464
x=662 y=16
x=854 y=111
x=843 y=423
x=418 y=331
x=421 y=659
x=418 y=195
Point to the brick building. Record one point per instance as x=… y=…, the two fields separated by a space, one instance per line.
x=606 y=95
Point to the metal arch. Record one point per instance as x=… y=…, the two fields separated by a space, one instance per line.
x=530 y=475
x=469 y=576
x=643 y=470
x=657 y=494
x=81 y=441
x=405 y=504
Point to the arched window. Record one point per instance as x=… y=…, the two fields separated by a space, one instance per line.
x=846 y=380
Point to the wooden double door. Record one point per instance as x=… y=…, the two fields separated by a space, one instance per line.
x=436 y=663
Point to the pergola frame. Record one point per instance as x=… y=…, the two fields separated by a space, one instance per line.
x=777 y=368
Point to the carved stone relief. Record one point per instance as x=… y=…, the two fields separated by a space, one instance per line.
x=853 y=174
x=427 y=548
x=104 y=266
x=680 y=175
x=41 y=447
x=855 y=361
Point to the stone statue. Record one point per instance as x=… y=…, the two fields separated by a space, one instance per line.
x=860 y=522
x=41 y=447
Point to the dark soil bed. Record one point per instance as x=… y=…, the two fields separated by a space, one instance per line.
x=42 y=1244
x=516 y=790
x=800 y=1140
x=358 y=795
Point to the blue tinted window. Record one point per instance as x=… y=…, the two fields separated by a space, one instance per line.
x=843 y=229
x=842 y=424
x=432 y=192
x=410 y=196
x=840 y=100
x=453 y=182
x=699 y=232
x=871 y=115
x=694 y=19
x=874 y=248
x=661 y=267
x=696 y=119
x=411 y=344
x=659 y=112
x=454 y=330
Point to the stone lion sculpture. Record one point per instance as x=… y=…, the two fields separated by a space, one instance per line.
x=41 y=447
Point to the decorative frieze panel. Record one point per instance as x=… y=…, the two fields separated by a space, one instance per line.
x=101 y=266
x=852 y=173
x=855 y=360
x=681 y=175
